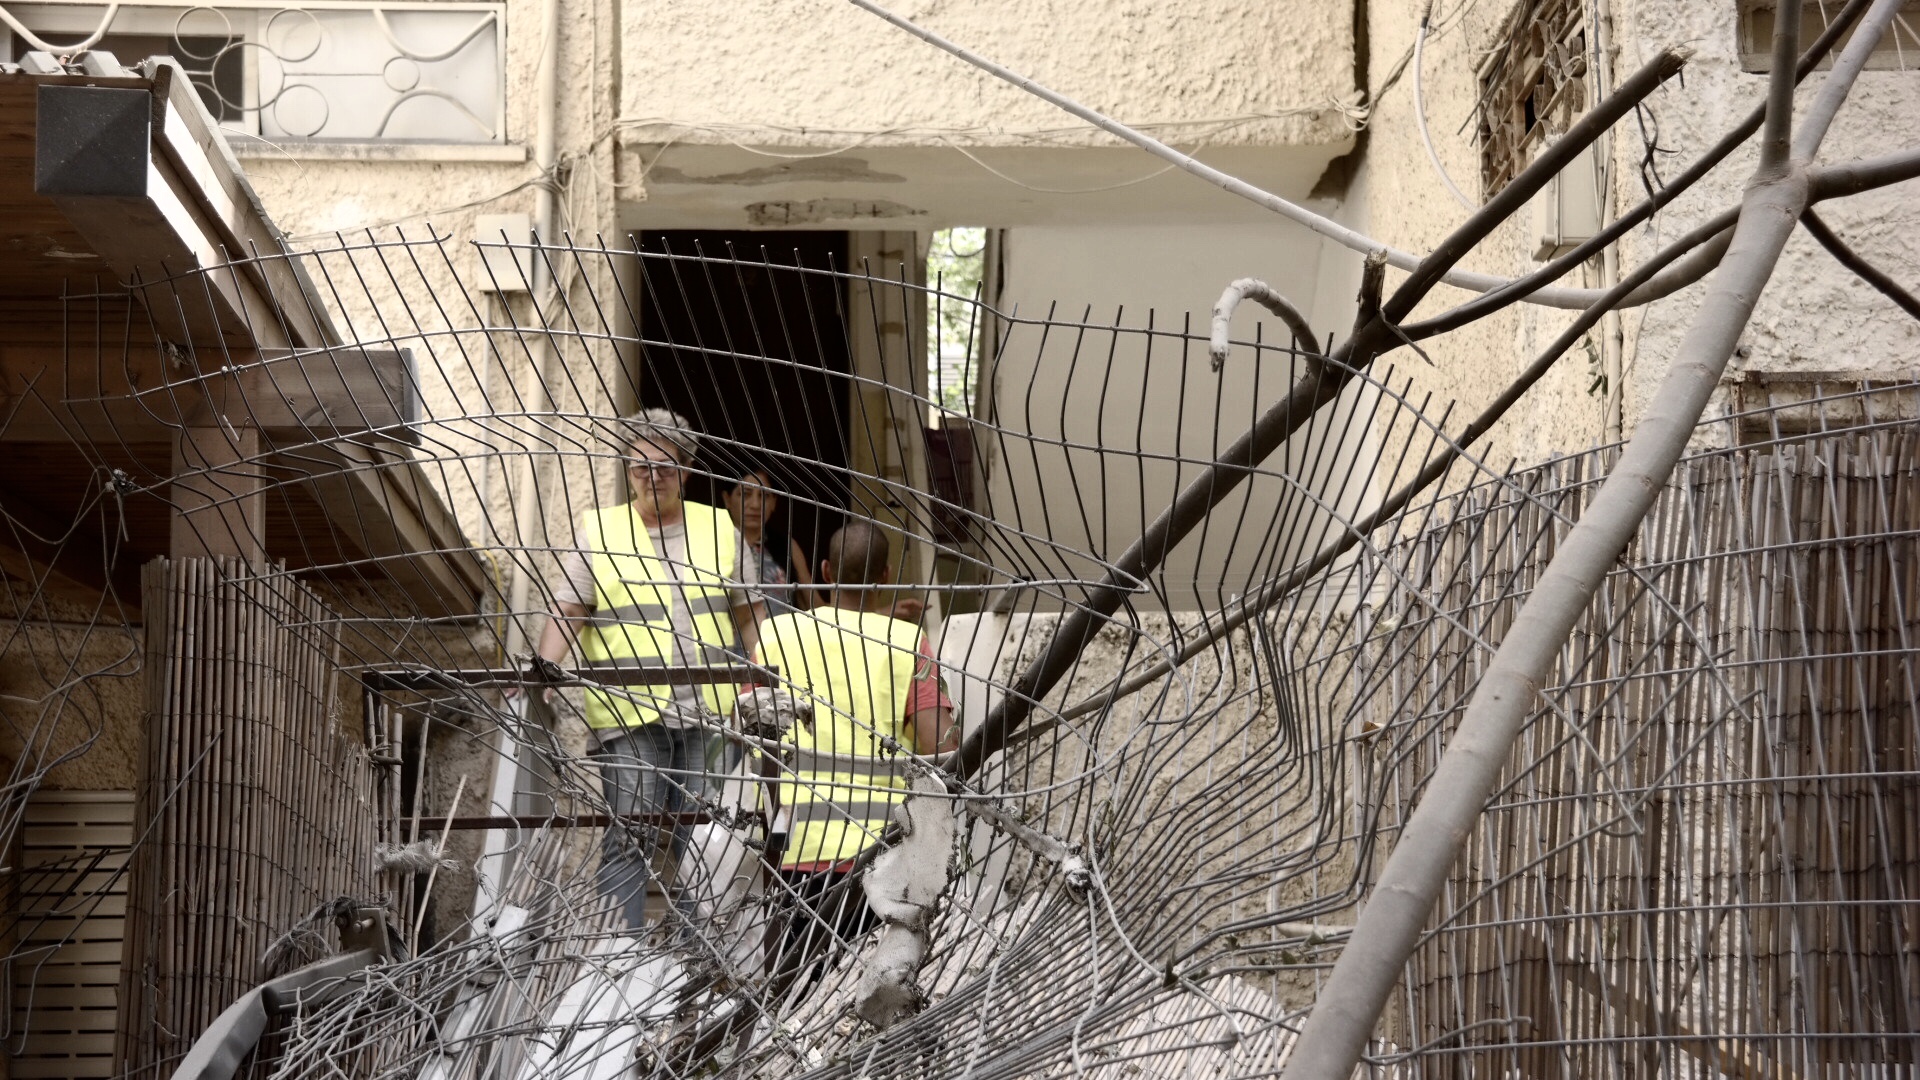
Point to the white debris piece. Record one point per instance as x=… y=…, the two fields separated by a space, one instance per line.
x=902 y=886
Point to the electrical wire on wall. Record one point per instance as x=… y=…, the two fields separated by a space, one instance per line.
x=1420 y=112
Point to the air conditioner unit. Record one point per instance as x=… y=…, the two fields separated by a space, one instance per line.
x=1566 y=213
x=503 y=242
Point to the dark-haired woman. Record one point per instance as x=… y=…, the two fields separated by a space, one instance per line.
x=775 y=572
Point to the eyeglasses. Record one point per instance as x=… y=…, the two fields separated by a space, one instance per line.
x=654 y=468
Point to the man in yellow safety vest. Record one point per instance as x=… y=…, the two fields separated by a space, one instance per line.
x=651 y=583
x=871 y=680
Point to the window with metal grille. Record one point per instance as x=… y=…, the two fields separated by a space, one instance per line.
x=325 y=70
x=1898 y=50
x=1532 y=85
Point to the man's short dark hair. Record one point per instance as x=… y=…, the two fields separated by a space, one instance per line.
x=859 y=553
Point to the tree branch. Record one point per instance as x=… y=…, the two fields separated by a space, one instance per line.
x=1522 y=188
x=1652 y=287
x=1839 y=181
x=1838 y=83
x=1263 y=294
x=1390 y=925
x=1274 y=591
x=1866 y=271
x=1372 y=335
x=1775 y=144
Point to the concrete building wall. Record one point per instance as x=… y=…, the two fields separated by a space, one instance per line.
x=1396 y=197
x=1814 y=316
x=818 y=70
x=1107 y=426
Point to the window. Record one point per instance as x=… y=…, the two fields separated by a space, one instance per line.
x=956 y=269
x=1899 y=49
x=1532 y=85
x=322 y=71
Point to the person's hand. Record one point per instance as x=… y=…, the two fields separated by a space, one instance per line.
x=909 y=610
x=540 y=668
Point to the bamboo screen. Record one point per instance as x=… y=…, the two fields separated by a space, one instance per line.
x=1706 y=857
x=256 y=808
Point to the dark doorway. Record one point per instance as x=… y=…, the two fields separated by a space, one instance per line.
x=738 y=339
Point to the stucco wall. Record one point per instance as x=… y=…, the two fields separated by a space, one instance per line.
x=1814 y=316
x=72 y=696
x=1397 y=198
x=1251 y=72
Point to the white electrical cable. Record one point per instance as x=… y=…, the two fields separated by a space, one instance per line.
x=1550 y=296
x=83 y=45
x=1420 y=111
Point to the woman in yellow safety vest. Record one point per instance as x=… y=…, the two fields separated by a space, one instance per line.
x=651 y=583
x=870 y=678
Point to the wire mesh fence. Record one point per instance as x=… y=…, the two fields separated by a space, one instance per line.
x=1703 y=861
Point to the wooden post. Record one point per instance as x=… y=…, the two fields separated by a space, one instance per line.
x=218 y=494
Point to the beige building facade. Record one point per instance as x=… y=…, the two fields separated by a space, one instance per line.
x=602 y=122
x=396 y=137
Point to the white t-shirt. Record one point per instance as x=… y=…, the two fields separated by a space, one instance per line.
x=670 y=543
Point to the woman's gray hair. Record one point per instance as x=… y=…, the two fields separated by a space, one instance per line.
x=662 y=427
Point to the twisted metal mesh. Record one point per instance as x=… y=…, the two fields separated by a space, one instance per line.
x=1704 y=861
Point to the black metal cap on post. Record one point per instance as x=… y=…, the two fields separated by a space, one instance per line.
x=92 y=140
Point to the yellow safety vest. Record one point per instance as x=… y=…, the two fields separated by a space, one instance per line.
x=857 y=669
x=631 y=625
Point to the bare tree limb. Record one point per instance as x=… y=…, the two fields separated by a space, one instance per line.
x=1688 y=271
x=1390 y=925
x=1275 y=591
x=1839 y=181
x=1866 y=271
x=1263 y=294
x=1579 y=135
x=1776 y=136
x=1373 y=334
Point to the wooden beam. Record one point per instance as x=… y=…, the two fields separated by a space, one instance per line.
x=177 y=227
x=142 y=392
x=381 y=505
x=193 y=145
x=218 y=494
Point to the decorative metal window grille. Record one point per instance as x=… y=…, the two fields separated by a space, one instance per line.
x=1899 y=50
x=320 y=71
x=1532 y=85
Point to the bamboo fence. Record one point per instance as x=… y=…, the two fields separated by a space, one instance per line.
x=258 y=806
x=1706 y=858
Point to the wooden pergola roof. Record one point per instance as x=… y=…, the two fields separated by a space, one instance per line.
x=131 y=317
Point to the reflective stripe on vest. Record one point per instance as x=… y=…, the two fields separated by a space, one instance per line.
x=857 y=668
x=632 y=626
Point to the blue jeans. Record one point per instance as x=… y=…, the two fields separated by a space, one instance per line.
x=651 y=769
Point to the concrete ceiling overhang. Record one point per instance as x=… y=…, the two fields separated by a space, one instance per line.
x=726 y=186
